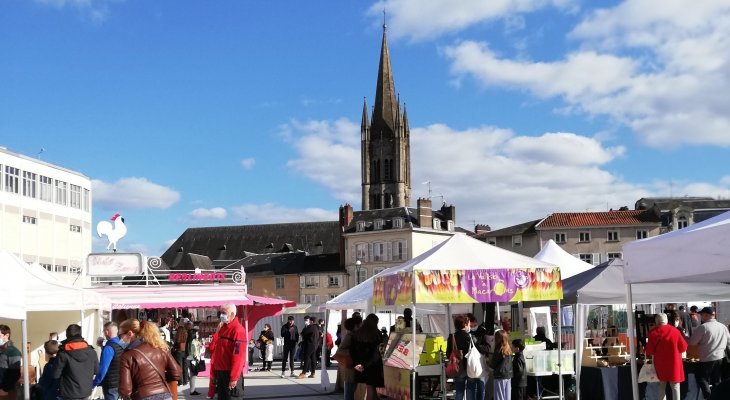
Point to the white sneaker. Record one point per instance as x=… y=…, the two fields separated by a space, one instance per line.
x=283 y=375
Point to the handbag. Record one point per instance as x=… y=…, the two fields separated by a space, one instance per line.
x=453 y=366
x=168 y=385
x=200 y=366
x=343 y=358
x=648 y=373
x=473 y=361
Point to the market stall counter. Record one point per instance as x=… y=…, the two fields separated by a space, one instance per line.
x=397 y=365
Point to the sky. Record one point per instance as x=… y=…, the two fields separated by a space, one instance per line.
x=190 y=114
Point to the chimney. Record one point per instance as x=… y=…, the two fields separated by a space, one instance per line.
x=449 y=212
x=425 y=213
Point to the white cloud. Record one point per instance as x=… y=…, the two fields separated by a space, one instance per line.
x=132 y=193
x=335 y=147
x=269 y=213
x=209 y=213
x=662 y=71
x=97 y=11
x=248 y=163
x=419 y=20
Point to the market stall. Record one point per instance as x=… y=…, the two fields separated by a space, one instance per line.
x=699 y=253
x=459 y=270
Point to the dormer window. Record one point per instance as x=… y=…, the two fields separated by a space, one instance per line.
x=450 y=225
x=397 y=223
x=378 y=224
x=360 y=226
x=436 y=224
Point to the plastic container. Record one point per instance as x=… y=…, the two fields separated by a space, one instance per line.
x=540 y=361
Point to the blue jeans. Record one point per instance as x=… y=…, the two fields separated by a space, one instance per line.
x=460 y=386
x=475 y=389
x=350 y=390
x=110 y=393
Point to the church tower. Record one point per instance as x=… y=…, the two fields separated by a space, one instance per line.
x=386 y=148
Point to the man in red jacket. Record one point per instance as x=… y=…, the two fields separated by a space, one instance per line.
x=667 y=344
x=229 y=353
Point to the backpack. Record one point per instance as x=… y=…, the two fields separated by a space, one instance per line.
x=474 y=367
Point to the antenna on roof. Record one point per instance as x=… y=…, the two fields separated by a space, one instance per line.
x=429 y=188
x=384 y=25
x=41 y=152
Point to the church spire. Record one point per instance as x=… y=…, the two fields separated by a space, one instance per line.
x=383 y=122
x=364 y=124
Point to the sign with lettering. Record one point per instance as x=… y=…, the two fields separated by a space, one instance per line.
x=197 y=277
x=114 y=264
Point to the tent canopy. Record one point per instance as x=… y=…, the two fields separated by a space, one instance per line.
x=569 y=264
x=698 y=253
x=462 y=269
x=13 y=300
x=184 y=296
x=43 y=292
x=604 y=284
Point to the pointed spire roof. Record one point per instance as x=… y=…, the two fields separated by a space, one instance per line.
x=384 y=112
x=364 y=123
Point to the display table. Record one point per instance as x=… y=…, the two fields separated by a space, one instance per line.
x=607 y=383
x=540 y=389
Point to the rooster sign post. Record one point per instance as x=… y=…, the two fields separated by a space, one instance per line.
x=113 y=232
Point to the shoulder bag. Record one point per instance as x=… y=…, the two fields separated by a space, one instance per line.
x=164 y=381
x=453 y=365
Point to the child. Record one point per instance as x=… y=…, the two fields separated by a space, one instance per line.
x=251 y=349
x=519 y=376
x=49 y=385
x=501 y=363
x=269 y=354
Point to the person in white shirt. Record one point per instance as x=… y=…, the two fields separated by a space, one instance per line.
x=712 y=339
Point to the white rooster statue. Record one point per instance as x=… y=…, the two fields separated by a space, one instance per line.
x=113 y=233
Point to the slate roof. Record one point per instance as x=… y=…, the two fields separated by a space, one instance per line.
x=288 y=263
x=519 y=229
x=697 y=203
x=603 y=218
x=237 y=242
x=410 y=215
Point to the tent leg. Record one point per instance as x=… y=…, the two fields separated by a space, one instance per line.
x=560 y=349
x=443 y=374
x=414 y=374
x=632 y=341
x=24 y=352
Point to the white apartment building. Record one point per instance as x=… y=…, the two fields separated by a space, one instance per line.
x=45 y=213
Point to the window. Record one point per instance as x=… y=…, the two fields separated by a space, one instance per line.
x=612 y=256
x=279 y=282
x=311 y=281
x=333 y=281
x=332 y=295
x=586 y=258
x=86 y=200
x=60 y=268
x=517 y=241
x=584 y=237
x=388 y=164
x=47 y=267
x=450 y=225
x=378 y=270
x=379 y=251
x=30 y=220
x=640 y=234
x=378 y=224
x=360 y=226
x=12 y=175
x=46 y=188
x=560 y=237
x=682 y=222
x=361 y=252
x=311 y=298
x=613 y=236
x=400 y=250
x=30 y=183
x=397 y=223
x=75 y=196
x=436 y=224
x=75 y=228
x=61 y=195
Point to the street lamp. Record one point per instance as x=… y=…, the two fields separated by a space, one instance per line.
x=358 y=266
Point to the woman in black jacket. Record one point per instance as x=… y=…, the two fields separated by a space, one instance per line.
x=266 y=336
x=365 y=353
x=462 y=383
x=502 y=364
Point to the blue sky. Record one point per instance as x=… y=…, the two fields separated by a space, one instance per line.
x=230 y=112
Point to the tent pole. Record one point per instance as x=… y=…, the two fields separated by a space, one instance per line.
x=632 y=341
x=519 y=325
x=579 y=323
x=498 y=316
x=415 y=360
x=448 y=328
x=560 y=348
x=26 y=359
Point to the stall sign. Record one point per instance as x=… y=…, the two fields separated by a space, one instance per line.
x=396 y=289
x=114 y=264
x=197 y=277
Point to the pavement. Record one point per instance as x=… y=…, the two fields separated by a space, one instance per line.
x=270 y=385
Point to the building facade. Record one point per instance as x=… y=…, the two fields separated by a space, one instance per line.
x=45 y=213
x=681 y=212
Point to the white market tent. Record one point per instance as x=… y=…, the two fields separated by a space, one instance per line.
x=42 y=302
x=569 y=264
x=699 y=253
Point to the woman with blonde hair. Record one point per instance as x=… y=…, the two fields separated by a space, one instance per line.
x=146 y=366
x=501 y=363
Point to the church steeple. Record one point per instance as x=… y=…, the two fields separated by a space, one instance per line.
x=384 y=113
x=385 y=151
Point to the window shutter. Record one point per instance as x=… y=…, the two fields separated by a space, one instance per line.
x=302 y=282
x=389 y=246
x=316 y=280
x=370 y=251
x=405 y=249
x=353 y=253
x=596 y=258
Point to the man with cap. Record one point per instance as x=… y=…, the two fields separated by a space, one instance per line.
x=712 y=339
x=290 y=334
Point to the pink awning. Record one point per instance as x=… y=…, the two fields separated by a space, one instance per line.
x=271 y=301
x=183 y=296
